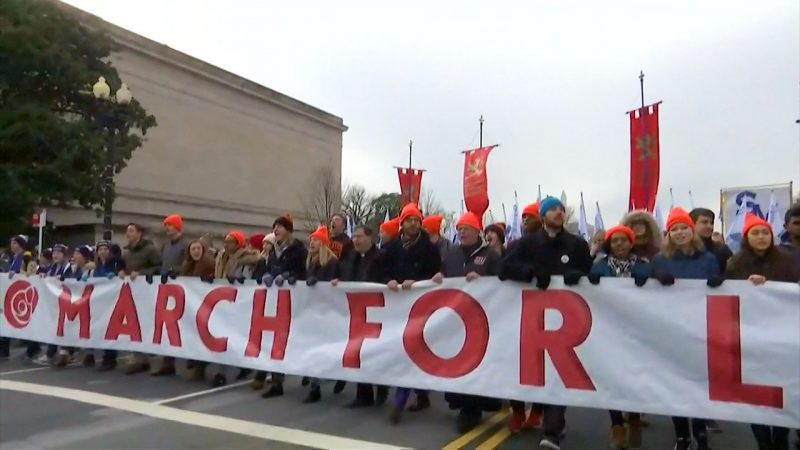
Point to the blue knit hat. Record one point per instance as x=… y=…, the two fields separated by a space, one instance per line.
x=549 y=203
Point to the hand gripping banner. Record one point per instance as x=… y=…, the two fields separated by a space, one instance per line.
x=728 y=353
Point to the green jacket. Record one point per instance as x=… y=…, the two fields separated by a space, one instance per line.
x=143 y=258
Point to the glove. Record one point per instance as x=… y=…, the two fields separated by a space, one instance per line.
x=231 y=280
x=715 y=281
x=640 y=280
x=61 y=278
x=208 y=279
x=665 y=279
x=164 y=278
x=11 y=275
x=594 y=278
x=267 y=279
x=292 y=280
x=543 y=281
x=173 y=274
x=111 y=276
x=149 y=278
x=310 y=281
x=241 y=279
x=279 y=280
x=572 y=277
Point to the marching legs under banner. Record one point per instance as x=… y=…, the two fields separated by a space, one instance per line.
x=476 y=184
x=645 y=155
x=410 y=184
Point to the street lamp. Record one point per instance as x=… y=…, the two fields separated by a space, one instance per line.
x=102 y=91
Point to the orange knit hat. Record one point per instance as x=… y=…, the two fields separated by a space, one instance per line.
x=621 y=229
x=751 y=220
x=531 y=210
x=469 y=219
x=391 y=227
x=237 y=236
x=321 y=234
x=175 y=220
x=679 y=215
x=410 y=210
x=433 y=224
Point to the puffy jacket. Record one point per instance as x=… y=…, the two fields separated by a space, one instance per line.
x=700 y=265
x=639 y=267
x=143 y=258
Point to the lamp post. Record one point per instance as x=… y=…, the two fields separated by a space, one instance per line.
x=101 y=92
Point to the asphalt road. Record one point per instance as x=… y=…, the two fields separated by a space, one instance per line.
x=77 y=407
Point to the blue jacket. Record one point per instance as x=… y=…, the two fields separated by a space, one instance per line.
x=601 y=267
x=700 y=266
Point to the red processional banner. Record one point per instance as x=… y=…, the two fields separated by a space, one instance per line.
x=645 y=156
x=476 y=183
x=410 y=184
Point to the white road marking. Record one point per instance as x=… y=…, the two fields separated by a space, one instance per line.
x=211 y=421
x=200 y=393
x=34 y=369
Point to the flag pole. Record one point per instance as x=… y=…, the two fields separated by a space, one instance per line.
x=480 y=142
x=410 y=146
x=644 y=128
x=505 y=217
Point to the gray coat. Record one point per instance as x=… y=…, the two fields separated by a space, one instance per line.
x=479 y=259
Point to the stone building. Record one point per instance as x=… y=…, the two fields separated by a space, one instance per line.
x=227 y=153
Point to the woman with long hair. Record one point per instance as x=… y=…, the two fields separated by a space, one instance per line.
x=684 y=256
x=759 y=261
x=198 y=262
x=321 y=265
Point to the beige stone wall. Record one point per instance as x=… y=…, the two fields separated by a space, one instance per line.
x=227 y=153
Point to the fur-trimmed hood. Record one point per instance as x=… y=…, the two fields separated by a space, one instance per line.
x=641 y=215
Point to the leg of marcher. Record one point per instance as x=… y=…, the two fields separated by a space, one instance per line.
x=400 y=399
x=763 y=436
x=700 y=433
x=517 y=416
x=423 y=401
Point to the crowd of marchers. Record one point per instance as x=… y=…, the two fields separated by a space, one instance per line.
x=411 y=248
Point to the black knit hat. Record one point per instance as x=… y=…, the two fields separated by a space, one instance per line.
x=22 y=240
x=60 y=248
x=285 y=221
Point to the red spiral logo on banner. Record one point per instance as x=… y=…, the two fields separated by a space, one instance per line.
x=20 y=302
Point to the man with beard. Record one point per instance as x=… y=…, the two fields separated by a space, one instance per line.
x=550 y=251
x=704 y=227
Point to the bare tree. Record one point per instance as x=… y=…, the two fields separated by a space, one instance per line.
x=323 y=196
x=357 y=204
x=429 y=204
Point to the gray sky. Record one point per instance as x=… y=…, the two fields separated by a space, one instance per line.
x=552 y=79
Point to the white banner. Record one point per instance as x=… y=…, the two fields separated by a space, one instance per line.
x=756 y=199
x=730 y=353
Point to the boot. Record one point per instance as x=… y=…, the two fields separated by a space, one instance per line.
x=314 y=395
x=339 y=387
x=618 y=437
x=167 y=368
x=88 y=360
x=198 y=373
x=534 y=421
x=274 y=390
x=423 y=402
x=219 y=380
x=515 y=424
x=135 y=367
x=107 y=365
x=62 y=359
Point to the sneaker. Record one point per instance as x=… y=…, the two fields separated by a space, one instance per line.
x=683 y=444
x=314 y=395
x=549 y=443
x=423 y=402
x=516 y=422
x=534 y=421
x=42 y=360
x=339 y=387
x=618 y=437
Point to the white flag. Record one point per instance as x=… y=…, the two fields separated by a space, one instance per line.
x=774 y=217
x=583 y=227
x=598 y=219
x=734 y=235
x=515 y=228
x=660 y=218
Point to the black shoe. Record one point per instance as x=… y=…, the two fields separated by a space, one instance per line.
x=218 y=380
x=274 y=390
x=339 y=387
x=683 y=444
x=243 y=374
x=360 y=403
x=382 y=395
x=467 y=420
x=305 y=381
x=107 y=365
x=314 y=395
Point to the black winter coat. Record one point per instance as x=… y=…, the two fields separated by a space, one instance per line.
x=539 y=253
x=341 y=245
x=292 y=260
x=327 y=273
x=416 y=261
x=369 y=267
x=721 y=252
x=478 y=258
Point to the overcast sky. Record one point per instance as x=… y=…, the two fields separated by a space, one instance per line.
x=552 y=79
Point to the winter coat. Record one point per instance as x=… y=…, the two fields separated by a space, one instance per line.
x=444 y=245
x=721 y=252
x=23 y=264
x=80 y=273
x=639 y=267
x=414 y=260
x=204 y=267
x=143 y=258
x=172 y=255
x=341 y=245
x=56 y=270
x=291 y=260
x=540 y=253
x=478 y=258
x=701 y=265
x=113 y=266
x=786 y=244
x=238 y=264
x=369 y=267
x=775 y=265
x=261 y=268
x=326 y=273
x=646 y=251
